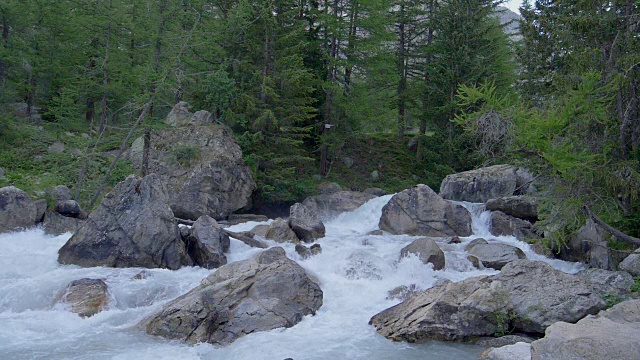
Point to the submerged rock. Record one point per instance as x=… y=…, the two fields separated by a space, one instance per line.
x=132 y=227
x=307 y=252
x=17 y=211
x=494 y=255
x=86 y=297
x=280 y=231
x=420 y=211
x=527 y=296
x=207 y=243
x=264 y=292
x=427 y=250
x=305 y=223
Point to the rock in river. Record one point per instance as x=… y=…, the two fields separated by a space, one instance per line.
x=132 y=227
x=420 y=211
x=262 y=293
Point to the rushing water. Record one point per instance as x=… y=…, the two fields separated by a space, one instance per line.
x=356 y=272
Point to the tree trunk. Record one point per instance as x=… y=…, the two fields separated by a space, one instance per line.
x=104 y=115
x=420 y=152
x=402 y=72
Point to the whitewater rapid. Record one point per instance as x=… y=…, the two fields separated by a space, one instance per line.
x=356 y=272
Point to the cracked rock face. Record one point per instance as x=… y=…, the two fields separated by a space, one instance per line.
x=262 y=293
x=132 y=227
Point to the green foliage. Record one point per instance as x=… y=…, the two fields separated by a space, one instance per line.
x=611 y=299
x=185 y=155
x=636 y=285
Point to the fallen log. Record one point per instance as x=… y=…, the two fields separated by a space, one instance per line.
x=610 y=229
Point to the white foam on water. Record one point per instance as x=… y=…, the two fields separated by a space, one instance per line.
x=356 y=272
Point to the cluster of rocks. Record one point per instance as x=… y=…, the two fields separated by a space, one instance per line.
x=18 y=211
x=611 y=334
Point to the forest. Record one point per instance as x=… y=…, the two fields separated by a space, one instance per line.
x=298 y=81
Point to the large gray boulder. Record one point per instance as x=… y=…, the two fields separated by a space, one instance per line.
x=17 y=210
x=605 y=282
x=486 y=183
x=420 y=211
x=328 y=205
x=305 y=223
x=427 y=250
x=503 y=224
x=132 y=227
x=203 y=167
x=526 y=296
x=56 y=224
x=85 y=297
x=590 y=244
x=207 y=243
x=495 y=255
x=521 y=206
x=280 y=231
x=631 y=264
x=611 y=335
x=264 y=292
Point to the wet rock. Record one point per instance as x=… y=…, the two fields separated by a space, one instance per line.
x=259 y=230
x=427 y=250
x=403 y=292
x=56 y=224
x=375 y=191
x=207 y=243
x=475 y=242
x=86 y=297
x=495 y=255
x=523 y=207
x=329 y=188
x=453 y=240
x=475 y=262
x=306 y=223
x=280 y=231
x=133 y=227
x=330 y=205
x=69 y=208
x=235 y=219
x=364 y=265
x=17 y=211
x=631 y=264
x=420 y=211
x=376 y=233
x=503 y=224
x=144 y=274
x=607 y=282
x=611 y=335
x=517 y=351
x=307 y=252
x=481 y=184
x=203 y=167
x=527 y=296
x=264 y=292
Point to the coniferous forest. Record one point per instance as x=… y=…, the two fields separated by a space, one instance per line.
x=298 y=82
